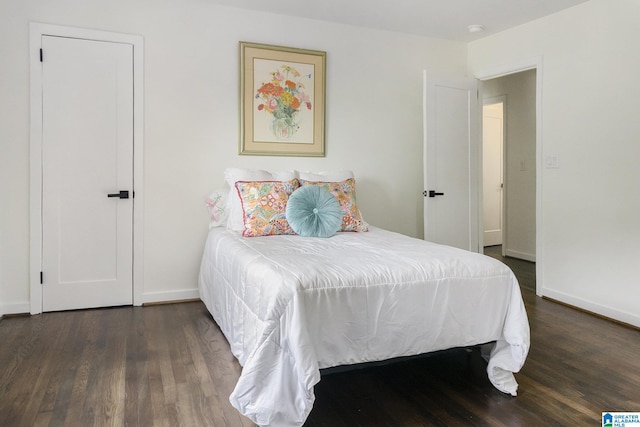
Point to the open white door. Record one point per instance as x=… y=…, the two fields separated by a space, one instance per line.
x=493 y=170
x=451 y=161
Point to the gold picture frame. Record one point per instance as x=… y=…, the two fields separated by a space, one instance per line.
x=282 y=100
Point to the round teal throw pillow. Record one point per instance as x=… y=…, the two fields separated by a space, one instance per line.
x=312 y=211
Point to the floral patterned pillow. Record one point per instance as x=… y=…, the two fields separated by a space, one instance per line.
x=345 y=192
x=264 y=206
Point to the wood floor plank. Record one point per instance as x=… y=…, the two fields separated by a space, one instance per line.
x=163 y=409
x=112 y=377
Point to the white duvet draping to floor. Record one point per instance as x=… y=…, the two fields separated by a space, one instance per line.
x=291 y=305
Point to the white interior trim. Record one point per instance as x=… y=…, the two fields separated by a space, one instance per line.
x=14 y=308
x=520 y=255
x=36 y=31
x=170 y=296
x=602 y=310
x=512 y=68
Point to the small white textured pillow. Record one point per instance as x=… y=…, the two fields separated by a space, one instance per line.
x=216 y=204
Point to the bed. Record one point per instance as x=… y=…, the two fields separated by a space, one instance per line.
x=291 y=305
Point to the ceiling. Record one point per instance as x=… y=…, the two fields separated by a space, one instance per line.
x=446 y=19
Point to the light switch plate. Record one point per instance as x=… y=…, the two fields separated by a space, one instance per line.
x=551 y=162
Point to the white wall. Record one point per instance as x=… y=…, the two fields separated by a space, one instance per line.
x=520 y=166
x=373 y=119
x=590 y=243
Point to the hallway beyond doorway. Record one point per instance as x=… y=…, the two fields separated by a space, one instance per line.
x=525 y=271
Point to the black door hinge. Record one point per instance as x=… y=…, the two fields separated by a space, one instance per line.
x=40 y=55
x=41 y=278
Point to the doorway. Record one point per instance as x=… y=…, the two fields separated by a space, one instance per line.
x=519 y=170
x=493 y=126
x=86 y=156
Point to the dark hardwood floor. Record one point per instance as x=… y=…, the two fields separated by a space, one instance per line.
x=169 y=365
x=525 y=271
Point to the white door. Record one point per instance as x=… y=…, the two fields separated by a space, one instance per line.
x=492 y=172
x=87 y=160
x=451 y=118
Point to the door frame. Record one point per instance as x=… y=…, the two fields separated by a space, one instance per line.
x=500 y=99
x=36 y=32
x=512 y=68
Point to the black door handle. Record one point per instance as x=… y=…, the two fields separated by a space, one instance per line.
x=432 y=193
x=123 y=194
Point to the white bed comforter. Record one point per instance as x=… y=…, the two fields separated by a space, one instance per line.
x=290 y=306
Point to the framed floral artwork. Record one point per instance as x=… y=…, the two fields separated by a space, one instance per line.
x=282 y=100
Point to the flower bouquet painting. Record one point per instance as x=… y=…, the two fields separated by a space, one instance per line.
x=282 y=100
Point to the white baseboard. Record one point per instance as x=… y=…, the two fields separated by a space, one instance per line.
x=520 y=255
x=15 y=308
x=148 y=298
x=165 y=296
x=602 y=310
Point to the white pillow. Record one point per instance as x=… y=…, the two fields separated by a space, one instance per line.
x=234 y=204
x=326 y=176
